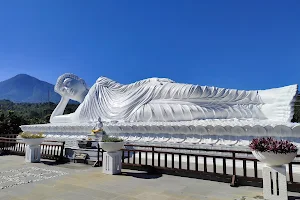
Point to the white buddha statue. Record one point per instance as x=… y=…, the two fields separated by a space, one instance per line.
x=161 y=99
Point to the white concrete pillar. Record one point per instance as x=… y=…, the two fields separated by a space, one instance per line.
x=112 y=162
x=33 y=153
x=274 y=182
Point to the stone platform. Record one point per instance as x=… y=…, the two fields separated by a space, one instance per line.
x=78 y=181
x=230 y=133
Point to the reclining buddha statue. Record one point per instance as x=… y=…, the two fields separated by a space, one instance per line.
x=163 y=100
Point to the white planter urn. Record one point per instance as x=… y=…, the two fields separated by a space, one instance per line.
x=273 y=159
x=111 y=146
x=33 y=141
x=274 y=173
x=112 y=158
x=33 y=149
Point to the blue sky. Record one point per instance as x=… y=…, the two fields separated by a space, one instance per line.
x=233 y=44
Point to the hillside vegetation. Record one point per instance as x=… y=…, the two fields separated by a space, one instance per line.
x=297 y=110
x=12 y=115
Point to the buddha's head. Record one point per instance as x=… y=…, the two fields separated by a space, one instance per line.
x=72 y=87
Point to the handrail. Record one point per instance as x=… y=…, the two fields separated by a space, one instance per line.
x=163 y=160
x=52 y=151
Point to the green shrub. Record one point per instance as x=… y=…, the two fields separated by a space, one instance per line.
x=111 y=139
x=31 y=135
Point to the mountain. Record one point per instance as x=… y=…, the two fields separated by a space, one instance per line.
x=25 y=88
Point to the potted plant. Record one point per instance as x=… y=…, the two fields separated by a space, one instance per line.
x=33 y=148
x=32 y=139
x=111 y=144
x=273 y=152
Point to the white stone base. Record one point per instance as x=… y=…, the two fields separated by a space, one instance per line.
x=229 y=133
x=274 y=182
x=33 y=153
x=112 y=162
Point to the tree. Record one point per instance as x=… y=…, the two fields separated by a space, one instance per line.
x=10 y=123
x=296 y=117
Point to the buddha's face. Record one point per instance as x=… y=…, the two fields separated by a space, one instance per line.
x=73 y=89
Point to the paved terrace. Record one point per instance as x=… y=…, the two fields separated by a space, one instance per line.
x=47 y=181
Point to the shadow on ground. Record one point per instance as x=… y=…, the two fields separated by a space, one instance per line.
x=54 y=163
x=289 y=198
x=294 y=197
x=141 y=175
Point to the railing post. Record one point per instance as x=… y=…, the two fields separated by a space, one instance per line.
x=128 y=160
x=233 y=164
x=179 y=162
x=133 y=153
x=62 y=150
x=152 y=156
x=158 y=160
x=196 y=163
x=101 y=158
x=140 y=159
x=234 y=182
x=123 y=155
x=188 y=162
x=98 y=154
x=224 y=165
x=244 y=168
x=214 y=165
x=291 y=172
x=204 y=163
x=255 y=169
x=166 y=160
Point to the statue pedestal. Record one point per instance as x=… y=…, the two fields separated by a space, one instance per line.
x=33 y=153
x=112 y=162
x=274 y=182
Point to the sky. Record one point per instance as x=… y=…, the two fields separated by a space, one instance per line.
x=231 y=44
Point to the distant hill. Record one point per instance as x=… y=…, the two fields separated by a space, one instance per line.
x=24 y=88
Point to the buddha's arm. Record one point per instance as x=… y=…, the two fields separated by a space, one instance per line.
x=62 y=118
x=57 y=115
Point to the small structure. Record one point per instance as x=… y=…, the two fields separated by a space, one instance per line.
x=33 y=149
x=112 y=162
x=80 y=157
x=274 y=154
x=112 y=158
x=274 y=182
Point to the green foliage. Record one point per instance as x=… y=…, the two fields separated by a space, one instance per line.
x=13 y=115
x=31 y=135
x=296 y=117
x=33 y=113
x=10 y=122
x=105 y=138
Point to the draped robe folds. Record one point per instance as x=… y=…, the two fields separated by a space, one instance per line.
x=151 y=100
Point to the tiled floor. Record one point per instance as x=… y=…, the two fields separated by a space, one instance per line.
x=83 y=182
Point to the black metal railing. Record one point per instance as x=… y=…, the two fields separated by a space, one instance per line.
x=50 y=149
x=229 y=166
x=185 y=162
